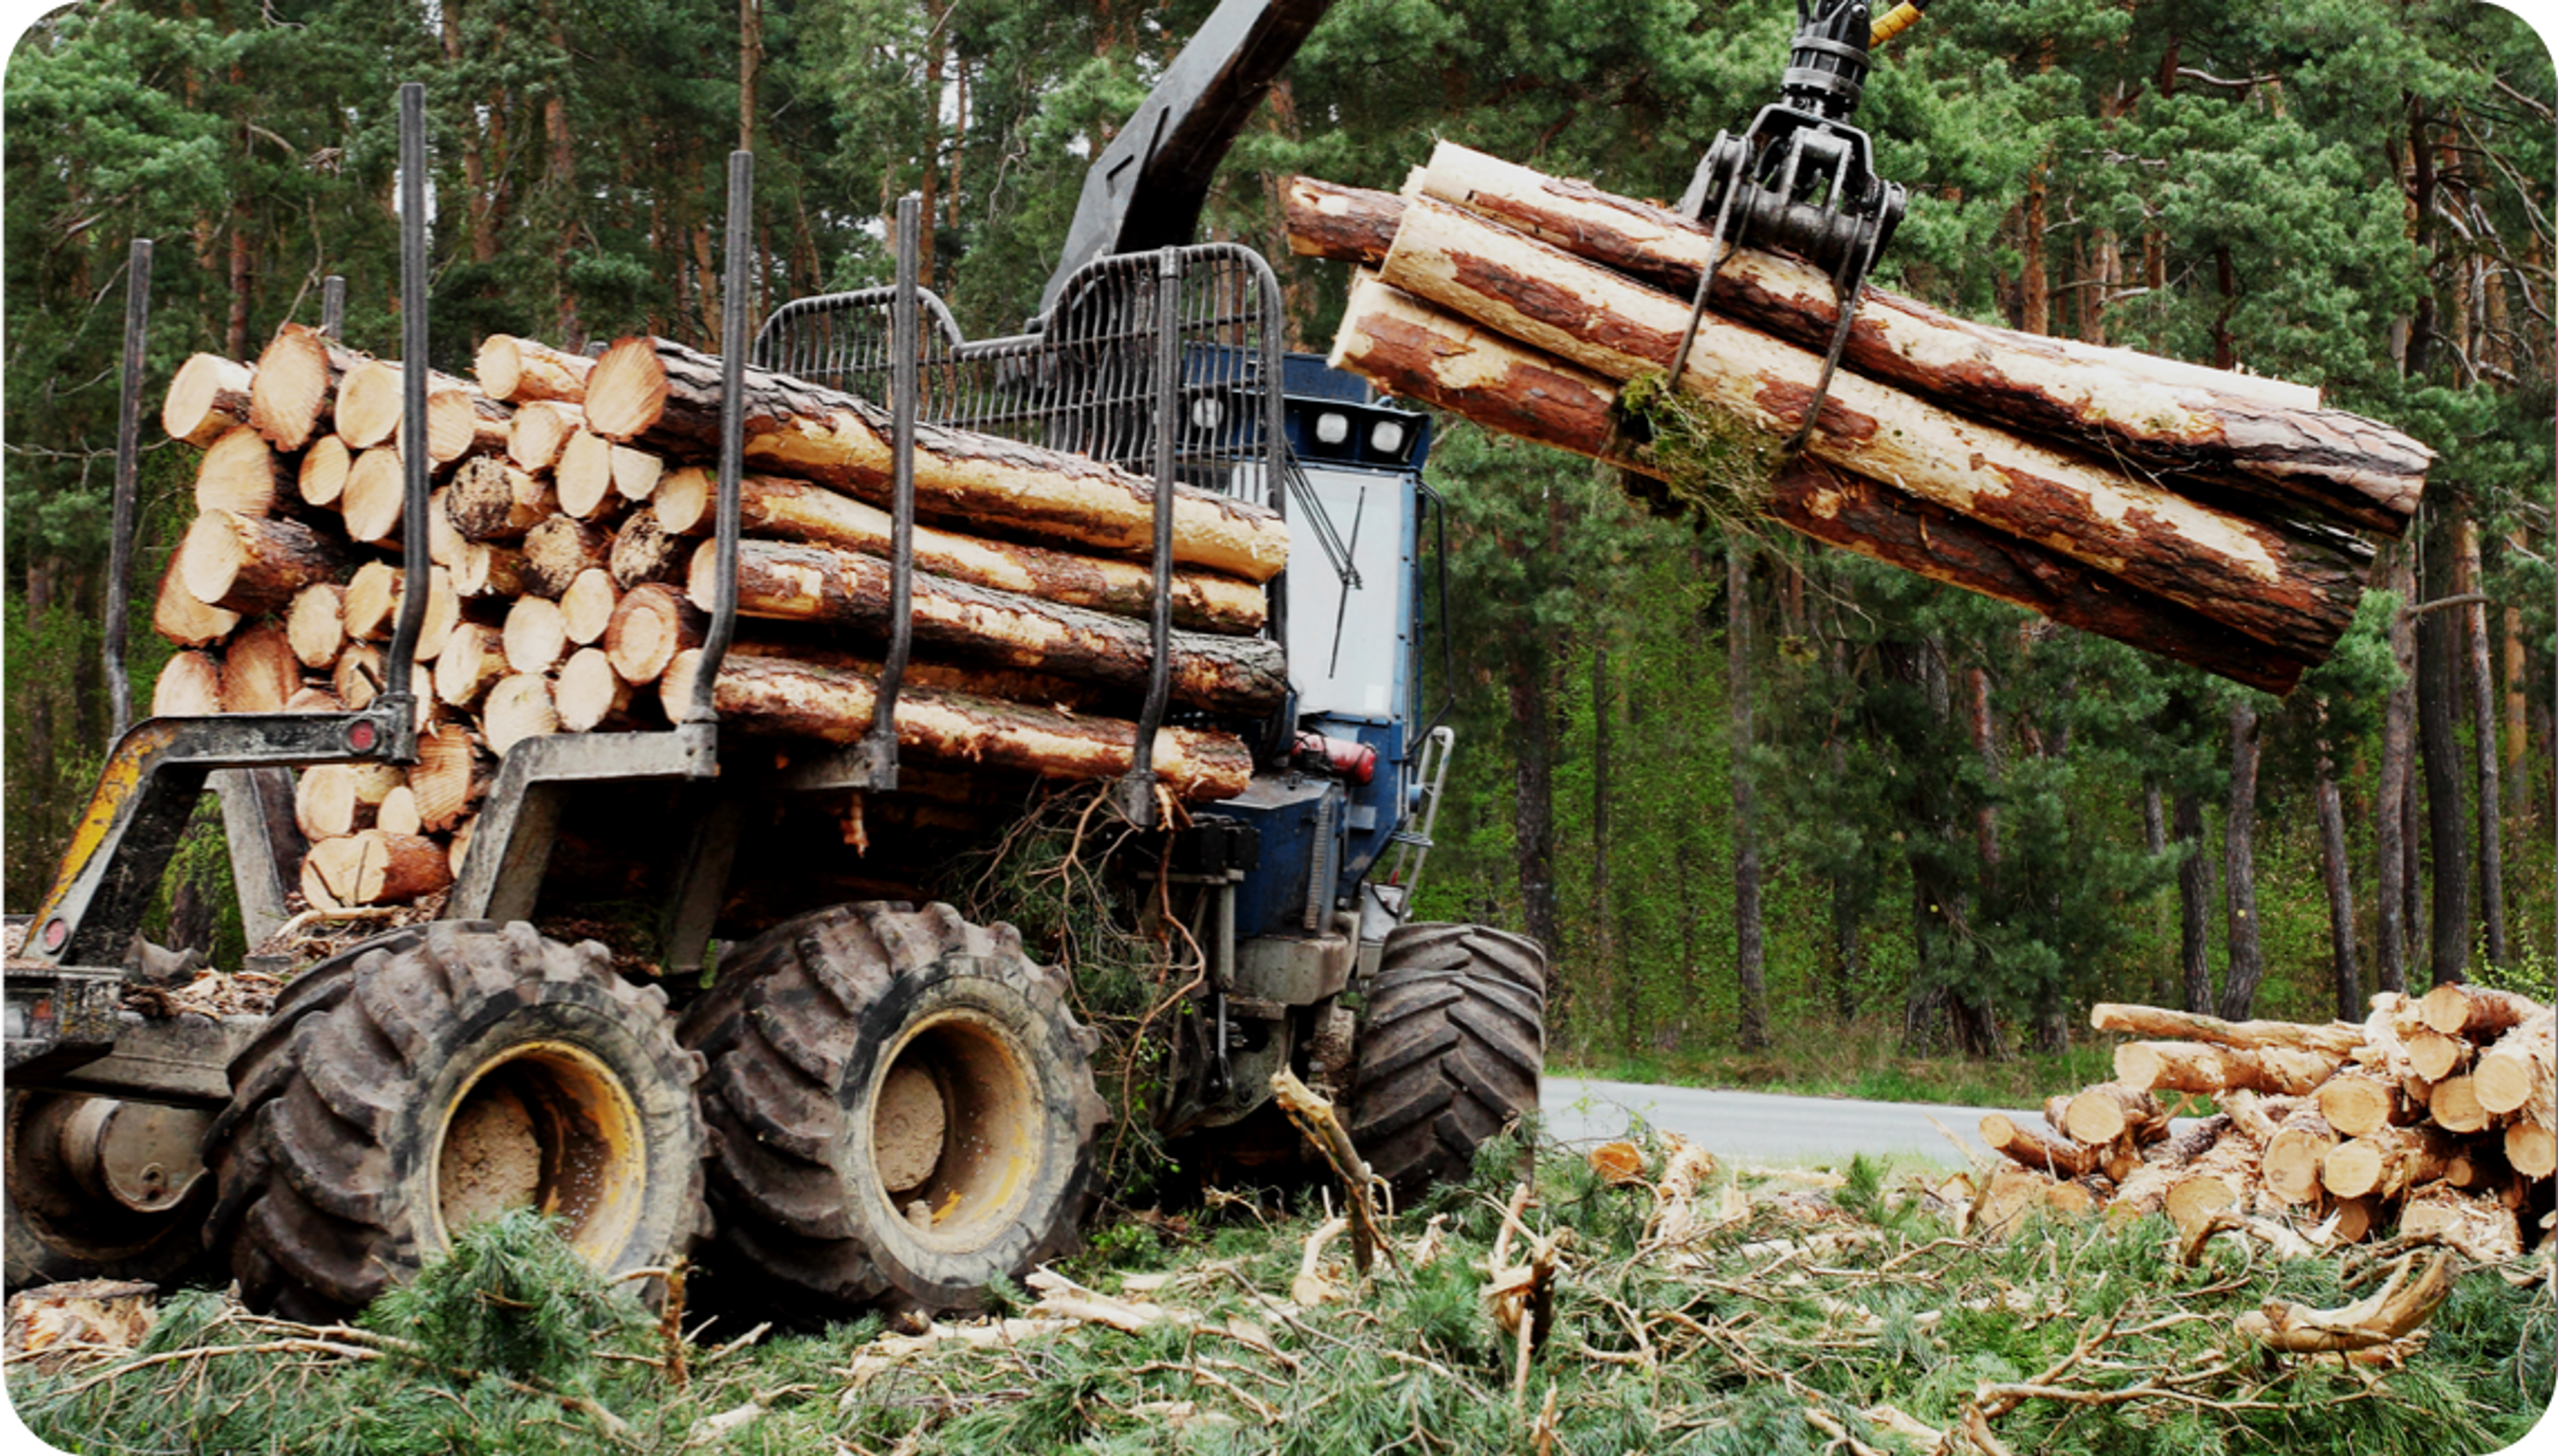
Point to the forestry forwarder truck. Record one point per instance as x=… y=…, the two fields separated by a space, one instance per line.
x=871 y=1102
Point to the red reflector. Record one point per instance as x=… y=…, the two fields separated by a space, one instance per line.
x=360 y=737
x=55 y=932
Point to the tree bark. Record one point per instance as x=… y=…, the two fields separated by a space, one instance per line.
x=2289 y=591
x=799 y=512
x=1415 y=351
x=2336 y=870
x=652 y=391
x=776 y=579
x=2194 y=903
x=519 y=370
x=802 y=700
x=251 y=564
x=2246 y=952
x=2491 y=811
x=2438 y=653
x=2237 y=432
x=2389 y=808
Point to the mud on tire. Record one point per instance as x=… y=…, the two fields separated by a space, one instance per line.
x=438 y=1074
x=1450 y=1048
x=901 y=1111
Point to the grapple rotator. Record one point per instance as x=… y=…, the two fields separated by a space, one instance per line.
x=1802 y=179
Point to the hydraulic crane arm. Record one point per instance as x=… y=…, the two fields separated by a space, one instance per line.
x=1145 y=191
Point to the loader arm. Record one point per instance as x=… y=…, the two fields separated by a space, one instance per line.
x=1146 y=189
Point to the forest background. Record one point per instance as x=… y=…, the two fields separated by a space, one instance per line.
x=1782 y=815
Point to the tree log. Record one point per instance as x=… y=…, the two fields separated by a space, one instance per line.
x=324 y=468
x=2031 y=1149
x=2386 y=1163
x=2359 y=1104
x=780 y=698
x=2531 y=1148
x=491 y=500
x=367 y=603
x=2515 y=1073
x=374 y=502
x=518 y=708
x=518 y=370
x=588 y=693
x=2333 y=1039
x=584 y=475
x=799 y=512
x=176 y=614
x=397 y=812
x=316 y=625
x=2109 y=1110
x=369 y=402
x=2285 y=589
x=2294 y=1156
x=331 y=800
x=1234 y=674
x=208 y=398
x=377 y=868
x=190 y=685
x=2154 y=415
x=488 y=570
x=259 y=672
x=659 y=394
x=684 y=500
x=295 y=384
x=241 y=473
x=450 y=776
x=472 y=660
x=539 y=431
x=2434 y=1056
x=251 y=564
x=557 y=549
x=2481 y=1013
x=586 y=608
x=537 y=635
x=460 y=422
x=2192 y=1067
x=1414 y=351
x=644 y=551
x=652 y=623
x=357 y=677
x=2455 y=1106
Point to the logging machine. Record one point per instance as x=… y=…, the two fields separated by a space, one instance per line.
x=863 y=1101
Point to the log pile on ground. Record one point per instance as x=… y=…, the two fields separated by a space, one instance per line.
x=2430 y=1116
x=570 y=526
x=2207 y=515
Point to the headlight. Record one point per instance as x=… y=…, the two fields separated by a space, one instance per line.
x=1387 y=437
x=1206 y=412
x=1332 y=427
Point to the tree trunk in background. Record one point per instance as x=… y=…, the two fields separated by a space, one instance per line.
x=2154 y=837
x=2439 y=649
x=2194 y=903
x=2246 y=952
x=2517 y=699
x=41 y=576
x=749 y=61
x=1604 y=960
x=2490 y=812
x=1749 y=945
x=2389 y=809
x=2337 y=871
x=1532 y=821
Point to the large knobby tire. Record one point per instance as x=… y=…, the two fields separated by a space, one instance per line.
x=66 y=1219
x=436 y=1077
x=1450 y=1051
x=901 y=1111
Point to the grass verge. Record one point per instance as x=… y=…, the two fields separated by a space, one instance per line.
x=1803 y=1315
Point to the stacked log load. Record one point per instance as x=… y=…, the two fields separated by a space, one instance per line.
x=570 y=524
x=2207 y=515
x=2433 y=1115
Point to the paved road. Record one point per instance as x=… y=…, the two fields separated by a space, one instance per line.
x=1763 y=1124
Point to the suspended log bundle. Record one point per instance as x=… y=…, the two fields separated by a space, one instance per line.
x=2205 y=515
x=2324 y=1126
x=573 y=576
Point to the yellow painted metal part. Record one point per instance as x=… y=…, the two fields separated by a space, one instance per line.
x=126 y=769
x=1901 y=18
x=595 y=1158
